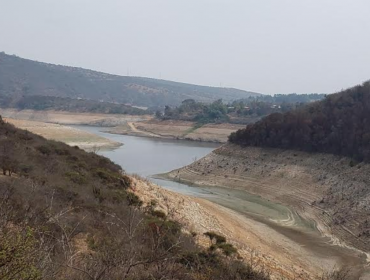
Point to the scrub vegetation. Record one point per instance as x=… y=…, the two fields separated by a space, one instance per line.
x=69 y=214
x=339 y=124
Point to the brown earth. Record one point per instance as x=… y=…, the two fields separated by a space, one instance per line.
x=184 y=130
x=318 y=186
x=144 y=126
x=68 y=118
x=68 y=135
x=256 y=243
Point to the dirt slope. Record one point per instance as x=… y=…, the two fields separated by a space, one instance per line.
x=68 y=118
x=68 y=135
x=328 y=188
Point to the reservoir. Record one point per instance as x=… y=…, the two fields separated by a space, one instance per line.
x=150 y=156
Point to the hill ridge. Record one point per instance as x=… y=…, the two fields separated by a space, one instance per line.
x=20 y=76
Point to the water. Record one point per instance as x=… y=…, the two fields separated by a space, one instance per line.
x=149 y=156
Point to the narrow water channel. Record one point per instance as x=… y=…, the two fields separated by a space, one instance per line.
x=149 y=156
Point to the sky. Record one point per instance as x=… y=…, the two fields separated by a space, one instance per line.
x=267 y=46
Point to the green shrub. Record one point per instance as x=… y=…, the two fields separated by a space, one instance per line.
x=110 y=177
x=45 y=150
x=91 y=242
x=76 y=177
x=126 y=181
x=17 y=256
x=133 y=199
x=62 y=152
x=227 y=249
x=98 y=194
x=25 y=169
x=159 y=214
x=215 y=237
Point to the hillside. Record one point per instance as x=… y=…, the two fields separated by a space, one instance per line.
x=22 y=77
x=319 y=187
x=314 y=159
x=43 y=103
x=339 y=124
x=240 y=112
x=69 y=214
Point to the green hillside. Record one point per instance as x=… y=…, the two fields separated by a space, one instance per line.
x=339 y=124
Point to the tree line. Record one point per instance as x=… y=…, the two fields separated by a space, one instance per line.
x=240 y=111
x=40 y=103
x=339 y=124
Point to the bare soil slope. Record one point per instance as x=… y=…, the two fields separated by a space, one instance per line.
x=68 y=135
x=69 y=118
x=328 y=188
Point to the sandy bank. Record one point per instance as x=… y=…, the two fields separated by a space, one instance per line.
x=256 y=243
x=321 y=187
x=68 y=135
x=183 y=130
x=68 y=118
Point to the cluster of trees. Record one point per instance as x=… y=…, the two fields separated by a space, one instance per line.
x=264 y=105
x=240 y=111
x=190 y=110
x=37 y=102
x=69 y=214
x=339 y=124
x=286 y=98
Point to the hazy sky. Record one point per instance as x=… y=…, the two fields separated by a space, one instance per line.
x=268 y=46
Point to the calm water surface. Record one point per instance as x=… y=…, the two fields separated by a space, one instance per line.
x=150 y=156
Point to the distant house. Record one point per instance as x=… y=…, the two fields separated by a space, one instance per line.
x=275 y=107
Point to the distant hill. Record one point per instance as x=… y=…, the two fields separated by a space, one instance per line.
x=339 y=124
x=23 y=77
x=41 y=103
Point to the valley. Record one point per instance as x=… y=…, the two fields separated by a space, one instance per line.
x=266 y=203
x=184 y=140
x=293 y=243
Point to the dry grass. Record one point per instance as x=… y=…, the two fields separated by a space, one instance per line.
x=68 y=135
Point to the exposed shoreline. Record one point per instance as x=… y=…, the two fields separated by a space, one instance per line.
x=267 y=245
x=71 y=118
x=66 y=134
x=256 y=241
x=265 y=173
x=199 y=216
x=177 y=130
x=141 y=126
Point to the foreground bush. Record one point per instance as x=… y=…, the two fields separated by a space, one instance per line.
x=68 y=214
